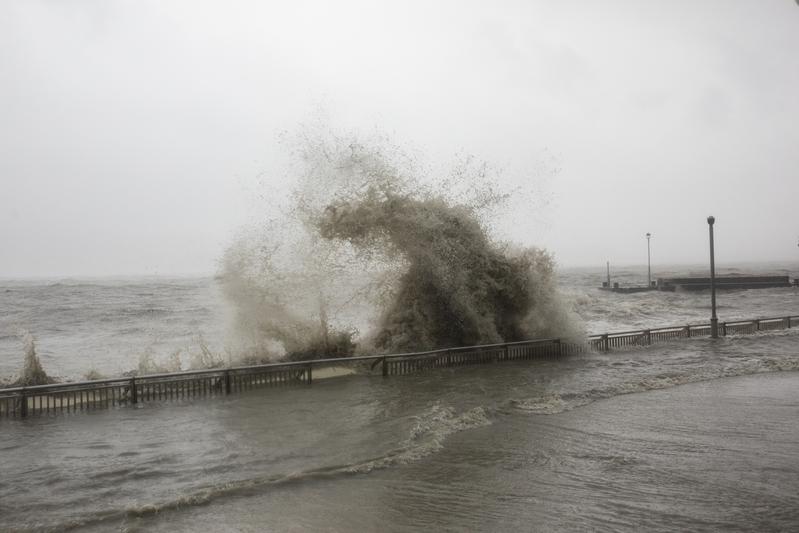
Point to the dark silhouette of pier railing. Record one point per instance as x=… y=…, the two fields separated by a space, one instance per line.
x=72 y=397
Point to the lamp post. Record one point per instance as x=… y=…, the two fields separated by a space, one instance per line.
x=648 y=262
x=714 y=321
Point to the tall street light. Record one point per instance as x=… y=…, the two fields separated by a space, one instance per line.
x=648 y=262
x=714 y=321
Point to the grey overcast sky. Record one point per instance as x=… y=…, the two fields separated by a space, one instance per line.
x=133 y=133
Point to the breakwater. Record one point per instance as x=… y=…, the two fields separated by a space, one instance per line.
x=723 y=282
x=728 y=282
x=70 y=397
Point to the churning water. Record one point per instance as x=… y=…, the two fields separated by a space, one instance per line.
x=365 y=257
x=111 y=327
x=692 y=435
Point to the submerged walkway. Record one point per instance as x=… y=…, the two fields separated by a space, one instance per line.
x=20 y=402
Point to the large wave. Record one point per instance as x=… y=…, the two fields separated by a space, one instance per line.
x=367 y=251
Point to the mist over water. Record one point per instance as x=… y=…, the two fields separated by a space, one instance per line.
x=366 y=253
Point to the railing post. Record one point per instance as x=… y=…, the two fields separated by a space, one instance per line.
x=788 y=320
x=310 y=368
x=134 y=396
x=506 y=354
x=757 y=325
x=23 y=404
x=227 y=381
x=648 y=336
x=605 y=343
x=385 y=367
x=724 y=329
x=558 y=351
x=688 y=331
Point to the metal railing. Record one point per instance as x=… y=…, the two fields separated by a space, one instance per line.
x=105 y=393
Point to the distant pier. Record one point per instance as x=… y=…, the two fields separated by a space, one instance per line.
x=698 y=284
x=627 y=290
x=723 y=282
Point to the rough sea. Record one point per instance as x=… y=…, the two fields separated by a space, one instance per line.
x=693 y=435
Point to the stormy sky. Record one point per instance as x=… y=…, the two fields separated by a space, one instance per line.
x=136 y=137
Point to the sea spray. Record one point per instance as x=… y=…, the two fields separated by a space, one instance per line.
x=204 y=357
x=460 y=288
x=150 y=364
x=280 y=286
x=195 y=356
x=32 y=372
x=366 y=251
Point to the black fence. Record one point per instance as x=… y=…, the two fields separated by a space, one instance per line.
x=72 y=397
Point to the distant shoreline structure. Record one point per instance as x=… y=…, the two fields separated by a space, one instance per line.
x=703 y=283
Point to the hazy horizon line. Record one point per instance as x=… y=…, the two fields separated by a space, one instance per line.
x=560 y=266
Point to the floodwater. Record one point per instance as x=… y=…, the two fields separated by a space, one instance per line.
x=692 y=435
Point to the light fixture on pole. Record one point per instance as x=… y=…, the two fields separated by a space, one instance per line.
x=648 y=262
x=714 y=321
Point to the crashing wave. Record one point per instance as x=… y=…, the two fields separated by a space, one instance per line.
x=365 y=255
